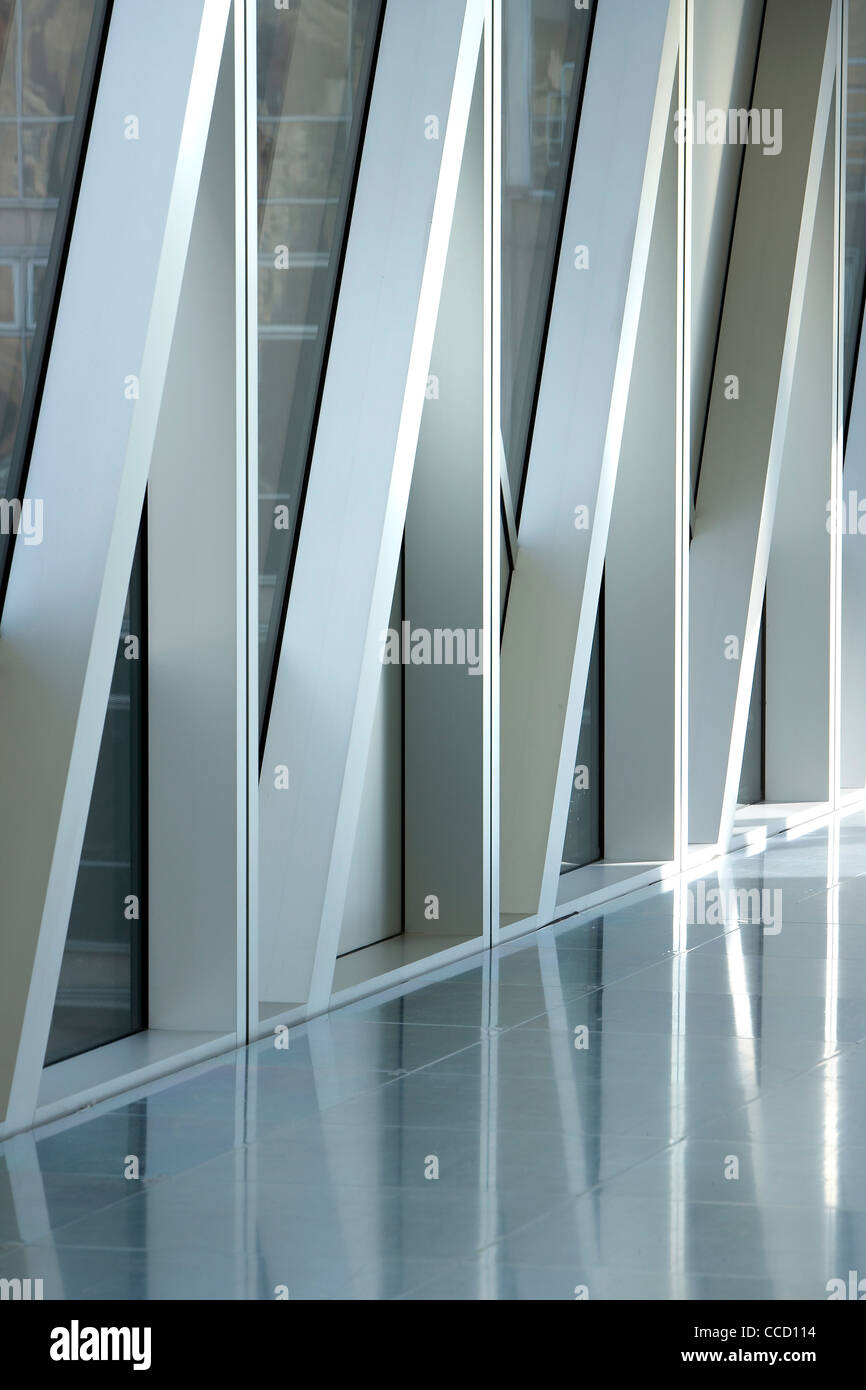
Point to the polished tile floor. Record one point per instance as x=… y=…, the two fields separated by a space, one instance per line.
x=664 y=1100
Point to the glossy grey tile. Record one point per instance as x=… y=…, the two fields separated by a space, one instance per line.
x=625 y=1105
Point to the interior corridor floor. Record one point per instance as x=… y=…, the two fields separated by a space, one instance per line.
x=629 y=1104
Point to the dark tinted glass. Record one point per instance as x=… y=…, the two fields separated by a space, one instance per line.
x=48 y=53
x=100 y=996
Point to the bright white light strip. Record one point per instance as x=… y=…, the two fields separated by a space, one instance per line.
x=488 y=1272
x=492 y=439
x=683 y=494
x=247 y=319
x=735 y=961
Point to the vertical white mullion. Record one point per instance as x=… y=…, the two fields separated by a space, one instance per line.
x=684 y=436
x=837 y=456
x=248 y=456
x=246 y=320
x=487 y=1098
x=241 y=504
x=492 y=437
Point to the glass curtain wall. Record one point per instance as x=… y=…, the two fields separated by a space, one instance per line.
x=315 y=62
x=49 y=52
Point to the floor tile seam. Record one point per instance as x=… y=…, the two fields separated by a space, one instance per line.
x=718 y=1037
x=109 y=1206
x=616 y=1269
x=757 y=1100
x=786 y=1073
x=392 y=1079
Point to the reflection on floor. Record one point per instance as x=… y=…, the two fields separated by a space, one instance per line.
x=659 y=1101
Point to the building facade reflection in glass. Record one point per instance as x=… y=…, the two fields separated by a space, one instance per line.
x=47 y=56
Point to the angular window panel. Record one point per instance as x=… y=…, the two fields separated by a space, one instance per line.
x=545 y=47
x=315 y=64
x=49 y=58
x=583 y=831
x=101 y=993
x=855 y=193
